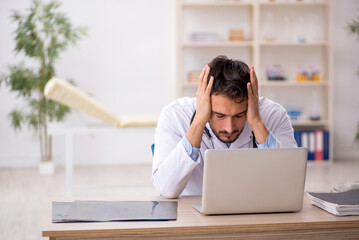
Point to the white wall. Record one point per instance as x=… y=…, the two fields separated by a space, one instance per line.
x=346 y=81
x=128 y=64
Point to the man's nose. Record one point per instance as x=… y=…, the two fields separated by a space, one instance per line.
x=229 y=125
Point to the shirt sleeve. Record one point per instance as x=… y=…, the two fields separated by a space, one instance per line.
x=192 y=152
x=172 y=167
x=271 y=142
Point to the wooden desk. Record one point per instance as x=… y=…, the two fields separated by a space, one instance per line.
x=310 y=223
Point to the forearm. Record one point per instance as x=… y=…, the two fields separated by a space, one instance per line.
x=195 y=132
x=260 y=131
x=173 y=166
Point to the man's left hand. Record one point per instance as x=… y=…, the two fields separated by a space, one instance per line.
x=253 y=115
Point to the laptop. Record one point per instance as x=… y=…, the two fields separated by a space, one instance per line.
x=253 y=180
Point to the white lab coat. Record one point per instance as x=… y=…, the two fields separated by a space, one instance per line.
x=174 y=173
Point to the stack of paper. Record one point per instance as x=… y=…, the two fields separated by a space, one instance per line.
x=340 y=204
x=102 y=211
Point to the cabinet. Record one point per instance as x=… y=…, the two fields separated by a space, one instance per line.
x=290 y=37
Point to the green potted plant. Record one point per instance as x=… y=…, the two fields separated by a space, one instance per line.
x=354 y=29
x=41 y=35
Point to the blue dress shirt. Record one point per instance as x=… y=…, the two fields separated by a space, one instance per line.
x=193 y=152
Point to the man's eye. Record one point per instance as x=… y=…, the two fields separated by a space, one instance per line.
x=239 y=116
x=220 y=116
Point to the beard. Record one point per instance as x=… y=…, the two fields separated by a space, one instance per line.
x=224 y=139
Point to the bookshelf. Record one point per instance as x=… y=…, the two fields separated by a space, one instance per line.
x=292 y=34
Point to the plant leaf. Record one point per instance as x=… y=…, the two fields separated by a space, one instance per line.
x=353 y=27
x=21 y=80
x=42 y=33
x=16 y=119
x=57 y=112
x=33 y=120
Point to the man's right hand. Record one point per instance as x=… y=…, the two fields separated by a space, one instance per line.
x=203 y=110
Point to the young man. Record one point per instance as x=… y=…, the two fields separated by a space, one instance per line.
x=226 y=114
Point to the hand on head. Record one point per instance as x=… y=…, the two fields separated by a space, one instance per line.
x=253 y=116
x=230 y=119
x=204 y=108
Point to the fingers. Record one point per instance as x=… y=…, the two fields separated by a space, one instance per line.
x=204 y=79
x=209 y=86
x=202 y=74
x=202 y=85
x=250 y=91
x=253 y=114
x=254 y=81
x=200 y=79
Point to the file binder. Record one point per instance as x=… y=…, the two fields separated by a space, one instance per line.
x=316 y=141
x=318 y=153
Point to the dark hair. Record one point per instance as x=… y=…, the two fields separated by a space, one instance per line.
x=230 y=77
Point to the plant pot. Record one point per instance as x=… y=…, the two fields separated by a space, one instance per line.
x=46 y=167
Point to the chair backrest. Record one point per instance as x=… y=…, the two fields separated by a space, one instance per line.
x=153 y=149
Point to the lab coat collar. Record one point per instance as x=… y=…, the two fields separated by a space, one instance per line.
x=244 y=138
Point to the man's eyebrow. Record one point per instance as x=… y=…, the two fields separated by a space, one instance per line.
x=219 y=113
x=240 y=113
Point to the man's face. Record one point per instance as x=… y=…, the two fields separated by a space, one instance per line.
x=228 y=117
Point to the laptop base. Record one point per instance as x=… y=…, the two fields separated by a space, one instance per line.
x=198 y=207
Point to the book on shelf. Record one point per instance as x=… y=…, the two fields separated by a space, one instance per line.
x=316 y=141
x=193 y=76
x=311 y=147
x=326 y=145
x=236 y=35
x=204 y=37
x=319 y=144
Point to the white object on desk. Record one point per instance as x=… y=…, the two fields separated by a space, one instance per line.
x=346 y=187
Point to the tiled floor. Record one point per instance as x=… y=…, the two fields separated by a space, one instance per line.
x=23 y=189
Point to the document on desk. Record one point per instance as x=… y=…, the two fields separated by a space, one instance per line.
x=103 y=211
x=340 y=204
